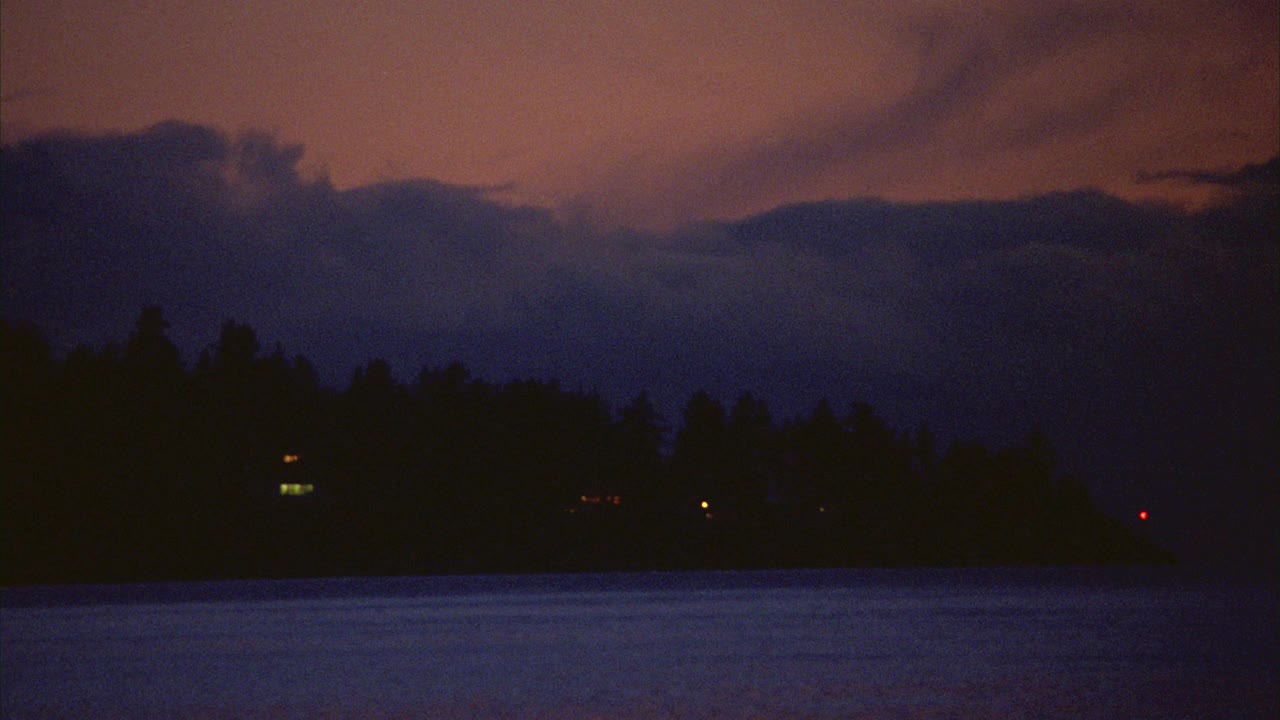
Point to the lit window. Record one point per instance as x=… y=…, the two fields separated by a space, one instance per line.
x=296 y=488
x=290 y=459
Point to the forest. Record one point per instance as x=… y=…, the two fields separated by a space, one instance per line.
x=122 y=464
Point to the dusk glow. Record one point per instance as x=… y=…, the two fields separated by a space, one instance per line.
x=655 y=115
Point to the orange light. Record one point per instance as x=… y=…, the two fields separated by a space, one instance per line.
x=705 y=504
x=290 y=459
x=1142 y=515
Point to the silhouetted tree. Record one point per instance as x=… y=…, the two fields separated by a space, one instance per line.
x=751 y=454
x=29 y=451
x=119 y=465
x=698 y=462
x=638 y=436
x=925 y=444
x=237 y=348
x=149 y=355
x=819 y=444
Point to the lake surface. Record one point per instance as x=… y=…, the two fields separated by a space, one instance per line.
x=934 y=643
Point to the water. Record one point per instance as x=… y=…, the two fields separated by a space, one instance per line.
x=1015 y=643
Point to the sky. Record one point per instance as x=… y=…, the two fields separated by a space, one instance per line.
x=657 y=114
x=984 y=216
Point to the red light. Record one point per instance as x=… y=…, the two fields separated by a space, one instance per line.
x=1142 y=515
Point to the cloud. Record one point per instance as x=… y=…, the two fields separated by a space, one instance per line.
x=1131 y=332
x=163 y=215
x=1259 y=177
x=208 y=225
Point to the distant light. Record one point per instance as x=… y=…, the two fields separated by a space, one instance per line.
x=705 y=504
x=1142 y=515
x=290 y=459
x=296 y=489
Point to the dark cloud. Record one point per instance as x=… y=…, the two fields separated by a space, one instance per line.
x=946 y=233
x=1255 y=178
x=210 y=226
x=1143 y=338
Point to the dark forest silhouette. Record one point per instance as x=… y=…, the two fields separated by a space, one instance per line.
x=121 y=464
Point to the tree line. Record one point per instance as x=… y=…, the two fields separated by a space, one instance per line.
x=122 y=464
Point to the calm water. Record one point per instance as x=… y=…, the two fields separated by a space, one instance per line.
x=1019 y=643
